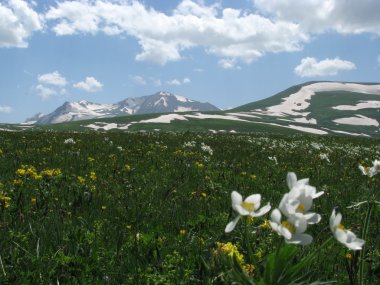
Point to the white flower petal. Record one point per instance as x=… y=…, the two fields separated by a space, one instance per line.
x=236 y=198
x=240 y=210
x=285 y=232
x=276 y=216
x=291 y=179
x=312 y=218
x=231 y=225
x=262 y=211
x=301 y=239
x=254 y=199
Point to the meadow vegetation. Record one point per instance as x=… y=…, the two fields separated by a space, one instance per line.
x=152 y=208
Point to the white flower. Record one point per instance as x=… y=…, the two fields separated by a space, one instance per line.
x=324 y=156
x=69 y=141
x=291 y=229
x=207 y=149
x=292 y=182
x=249 y=207
x=273 y=158
x=371 y=171
x=344 y=236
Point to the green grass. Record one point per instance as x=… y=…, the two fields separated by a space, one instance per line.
x=157 y=208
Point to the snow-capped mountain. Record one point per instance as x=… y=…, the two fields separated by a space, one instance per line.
x=161 y=102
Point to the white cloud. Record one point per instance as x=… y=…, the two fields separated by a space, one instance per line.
x=226 y=33
x=5 y=109
x=228 y=63
x=378 y=59
x=53 y=78
x=175 y=82
x=310 y=67
x=318 y=16
x=18 y=21
x=186 y=80
x=137 y=79
x=45 y=92
x=90 y=84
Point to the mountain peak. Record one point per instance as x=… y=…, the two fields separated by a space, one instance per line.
x=160 y=102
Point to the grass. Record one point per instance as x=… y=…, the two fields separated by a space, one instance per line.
x=147 y=208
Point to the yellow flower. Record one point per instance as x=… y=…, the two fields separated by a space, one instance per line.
x=81 y=180
x=249 y=220
x=199 y=164
x=92 y=175
x=203 y=194
x=249 y=269
x=253 y=177
x=127 y=168
x=182 y=232
x=129 y=227
x=34 y=201
x=265 y=225
x=348 y=256
x=18 y=182
x=231 y=250
x=90 y=159
x=104 y=207
x=5 y=200
x=21 y=172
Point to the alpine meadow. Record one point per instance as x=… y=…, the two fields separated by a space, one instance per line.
x=152 y=208
x=190 y=142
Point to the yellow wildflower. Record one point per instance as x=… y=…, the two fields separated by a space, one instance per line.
x=90 y=159
x=182 y=232
x=265 y=225
x=21 y=172
x=34 y=201
x=81 y=180
x=253 y=177
x=104 y=207
x=18 y=182
x=203 y=194
x=127 y=168
x=348 y=256
x=92 y=175
x=231 y=250
x=5 y=200
x=249 y=269
x=199 y=164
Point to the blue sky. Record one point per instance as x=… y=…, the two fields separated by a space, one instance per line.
x=227 y=53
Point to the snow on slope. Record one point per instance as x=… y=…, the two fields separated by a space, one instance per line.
x=358 y=120
x=296 y=102
x=362 y=105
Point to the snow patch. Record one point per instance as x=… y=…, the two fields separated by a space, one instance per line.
x=164 y=119
x=358 y=106
x=184 y=109
x=296 y=102
x=359 y=120
x=308 y=130
x=210 y=116
x=161 y=101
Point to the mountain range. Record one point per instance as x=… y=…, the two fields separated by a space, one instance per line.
x=160 y=102
x=322 y=108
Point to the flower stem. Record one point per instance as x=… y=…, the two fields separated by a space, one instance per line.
x=364 y=236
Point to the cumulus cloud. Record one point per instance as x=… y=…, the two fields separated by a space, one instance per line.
x=311 y=67
x=5 y=109
x=18 y=21
x=90 y=84
x=228 y=63
x=178 y=82
x=226 y=33
x=318 y=16
x=137 y=79
x=51 y=84
x=53 y=78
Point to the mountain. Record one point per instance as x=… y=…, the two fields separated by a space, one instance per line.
x=161 y=102
x=321 y=108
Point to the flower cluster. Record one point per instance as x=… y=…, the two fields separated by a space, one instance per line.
x=69 y=141
x=296 y=206
x=207 y=149
x=371 y=171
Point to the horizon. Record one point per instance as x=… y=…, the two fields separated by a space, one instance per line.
x=227 y=54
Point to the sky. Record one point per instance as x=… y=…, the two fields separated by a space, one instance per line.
x=225 y=52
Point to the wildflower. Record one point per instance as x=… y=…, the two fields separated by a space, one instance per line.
x=249 y=207
x=199 y=164
x=90 y=159
x=5 y=200
x=18 y=182
x=273 y=158
x=348 y=256
x=104 y=207
x=34 y=201
x=292 y=182
x=203 y=195
x=291 y=229
x=81 y=180
x=343 y=235
x=182 y=232
x=265 y=225
x=207 y=149
x=324 y=156
x=253 y=177
x=92 y=175
x=230 y=250
x=120 y=148
x=69 y=141
x=249 y=269
x=370 y=171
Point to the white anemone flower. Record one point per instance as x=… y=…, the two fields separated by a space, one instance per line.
x=249 y=207
x=370 y=171
x=291 y=229
x=343 y=235
x=292 y=182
